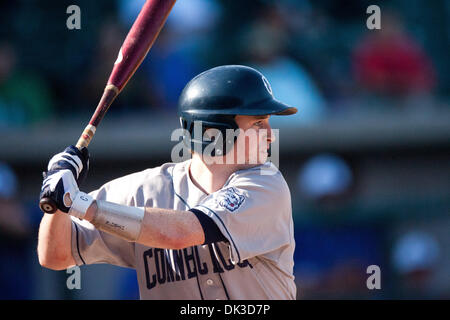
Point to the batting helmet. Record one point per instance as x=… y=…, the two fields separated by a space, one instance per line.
x=217 y=95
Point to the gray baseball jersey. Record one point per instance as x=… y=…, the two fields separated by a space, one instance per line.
x=252 y=210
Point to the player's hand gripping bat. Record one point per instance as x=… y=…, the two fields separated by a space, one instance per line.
x=138 y=42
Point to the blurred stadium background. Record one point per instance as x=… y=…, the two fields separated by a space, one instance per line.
x=367 y=158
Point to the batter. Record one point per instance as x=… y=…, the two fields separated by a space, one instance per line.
x=196 y=229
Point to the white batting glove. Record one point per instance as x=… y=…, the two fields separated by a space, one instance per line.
x=77 y=161
x=61 y=187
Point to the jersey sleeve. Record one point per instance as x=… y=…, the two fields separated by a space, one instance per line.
x=254 y=213
x=90 y=245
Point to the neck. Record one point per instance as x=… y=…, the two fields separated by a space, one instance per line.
x=209 y=177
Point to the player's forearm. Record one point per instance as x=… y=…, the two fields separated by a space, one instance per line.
x=171 y=229
x=153 y=227
x=54 y=241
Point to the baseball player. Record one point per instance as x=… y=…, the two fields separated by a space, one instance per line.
x=196 y=229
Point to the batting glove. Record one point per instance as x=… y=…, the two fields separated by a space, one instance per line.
x=61 y=187
x=77 y=161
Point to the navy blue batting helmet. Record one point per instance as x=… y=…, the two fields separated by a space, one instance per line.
x=217 y=95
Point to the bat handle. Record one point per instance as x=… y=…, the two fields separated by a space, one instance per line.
x=86 y=136
x=109 y=94
x=47 y=205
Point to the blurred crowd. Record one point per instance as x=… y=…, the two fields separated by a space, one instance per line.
x=318 y=56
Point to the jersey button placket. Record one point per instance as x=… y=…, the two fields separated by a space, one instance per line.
x=212 y=289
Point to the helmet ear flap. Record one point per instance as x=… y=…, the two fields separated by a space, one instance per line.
x=186 y=125
x=220 y=144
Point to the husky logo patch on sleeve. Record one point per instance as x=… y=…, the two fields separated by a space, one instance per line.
x=230 y=199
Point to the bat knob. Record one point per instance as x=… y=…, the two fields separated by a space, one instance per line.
x=47 y=205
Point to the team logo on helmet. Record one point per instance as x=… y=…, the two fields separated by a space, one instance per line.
x=230 y=199
x=267 y=84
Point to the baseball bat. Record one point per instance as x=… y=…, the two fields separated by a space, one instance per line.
x=135 y=47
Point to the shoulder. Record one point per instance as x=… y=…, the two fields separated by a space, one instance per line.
x=119 y=189
x=266 y=175
x=266 y=179
x=138 y=178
